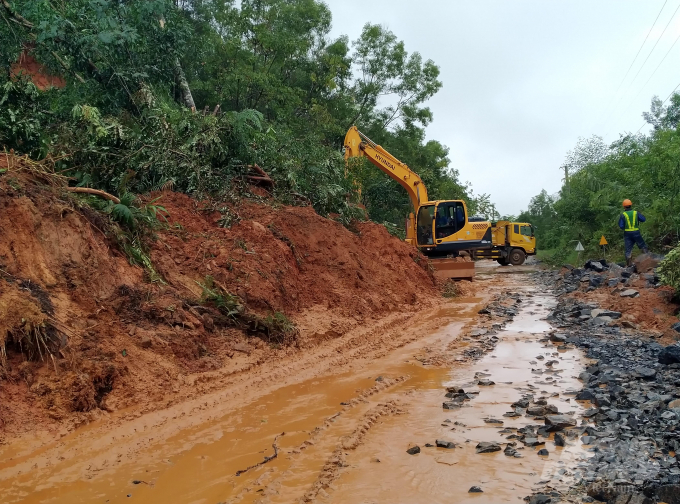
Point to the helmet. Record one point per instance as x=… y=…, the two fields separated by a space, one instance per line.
x=627 y=203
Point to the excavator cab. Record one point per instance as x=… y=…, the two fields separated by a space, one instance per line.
x=450 y=218
x=443 y=228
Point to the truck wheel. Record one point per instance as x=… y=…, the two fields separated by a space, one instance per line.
x=502 y=261
x=517 y=257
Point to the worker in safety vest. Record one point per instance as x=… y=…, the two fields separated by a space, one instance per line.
x=630 y=221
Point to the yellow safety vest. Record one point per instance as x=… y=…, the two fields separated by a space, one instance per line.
x=632 y=223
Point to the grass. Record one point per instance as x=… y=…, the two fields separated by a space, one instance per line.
x=228 y=304
x=275 y=328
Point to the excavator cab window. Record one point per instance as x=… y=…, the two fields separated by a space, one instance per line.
x=450 y=218
x=424 y=225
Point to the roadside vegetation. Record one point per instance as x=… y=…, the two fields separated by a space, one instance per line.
x=209 y=98
x=598 y=177
x=190 y=94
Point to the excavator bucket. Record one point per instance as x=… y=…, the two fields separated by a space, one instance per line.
x=453 y=268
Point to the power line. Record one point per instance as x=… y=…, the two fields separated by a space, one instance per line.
x=640 y=50
x=657 y=67
x=657 y=42
x=611 y=101
x=647 y=58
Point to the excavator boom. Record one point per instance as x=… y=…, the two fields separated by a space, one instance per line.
x=358 y=144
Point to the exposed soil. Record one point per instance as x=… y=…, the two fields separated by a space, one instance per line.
x=183 y=401
x=112 y=340
x=653 y=310
x=340 y=420
x=28 y=67
x=290 y=259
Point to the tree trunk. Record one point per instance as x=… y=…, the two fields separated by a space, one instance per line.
x=187 y=98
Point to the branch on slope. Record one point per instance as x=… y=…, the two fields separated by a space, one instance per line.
x=95 y=192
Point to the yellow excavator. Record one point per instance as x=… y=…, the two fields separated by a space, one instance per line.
x=441 y=228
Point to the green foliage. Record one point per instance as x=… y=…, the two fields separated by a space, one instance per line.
x=276 y=328
x=541 y=214
x=22 y=117
x=283 y=93
x=132 y=224
x=669 y=269
x=395 y=230
x=643 y=168
x=138 y=255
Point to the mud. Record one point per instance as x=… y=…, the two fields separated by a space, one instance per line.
x=442 y=475
x=341 y=428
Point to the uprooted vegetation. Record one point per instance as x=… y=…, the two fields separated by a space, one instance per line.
x=24 y=326
x=275 y=327
x=85 y=327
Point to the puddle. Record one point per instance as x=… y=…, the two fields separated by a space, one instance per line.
x=440 y=475
x=200 y=463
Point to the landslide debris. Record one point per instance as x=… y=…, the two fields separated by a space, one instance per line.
x=82 y=331
x=632 y=296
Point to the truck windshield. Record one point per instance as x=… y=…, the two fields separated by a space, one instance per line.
x=424 y=225
x=527 y=231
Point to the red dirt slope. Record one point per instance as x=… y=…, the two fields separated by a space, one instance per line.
x=289 y=259
x=27 y=66
x=116 y=340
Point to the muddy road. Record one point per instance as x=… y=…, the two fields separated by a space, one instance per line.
x=335 y=425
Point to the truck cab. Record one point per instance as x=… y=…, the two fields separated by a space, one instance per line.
x=516 y=239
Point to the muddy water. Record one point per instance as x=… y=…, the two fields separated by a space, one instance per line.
x=345 y=435
x=199 y=464
x=444 y=475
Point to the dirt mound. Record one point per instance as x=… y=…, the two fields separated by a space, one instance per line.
x=289 y=259
x=110 y=339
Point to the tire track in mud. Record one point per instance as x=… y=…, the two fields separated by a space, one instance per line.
x=215 y=401
x=279 y=488
x=271 y=483
x=134 y=434
x=338 y=460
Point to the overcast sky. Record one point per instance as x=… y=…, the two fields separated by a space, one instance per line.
x=524 y=79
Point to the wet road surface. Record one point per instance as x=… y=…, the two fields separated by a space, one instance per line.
x=343 y=438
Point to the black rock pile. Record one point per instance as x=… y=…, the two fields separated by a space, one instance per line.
x=601 y=273
x=632 y=427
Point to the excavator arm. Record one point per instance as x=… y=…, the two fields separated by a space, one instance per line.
x=357 y=144
x=450 y=236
